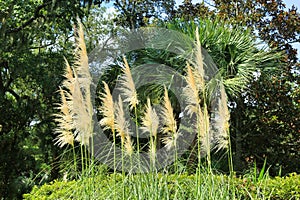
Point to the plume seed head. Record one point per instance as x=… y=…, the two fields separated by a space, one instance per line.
x=107 y=109
x=128 y=145
x=169 y=122
x=150 y=120
x=76 y=98
x=191 y=92
x=168 y=117
x=199 y=68
x=122 y=127
x=222 y=136
x=128 y=86
x=64 y=120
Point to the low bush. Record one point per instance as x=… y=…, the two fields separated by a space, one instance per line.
x=279 y=188
x=172 y=186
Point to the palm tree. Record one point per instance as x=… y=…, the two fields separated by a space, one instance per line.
x=232 y=56
x=237 y=55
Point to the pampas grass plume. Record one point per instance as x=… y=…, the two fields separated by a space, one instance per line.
x=222 y=136
x=128 y=88
x=191 y=92
x=169 y=122
x=122 y=127
x=107 y=109
x=64 y=120
x=199 y=68
x=76 y=96
x=150 y=120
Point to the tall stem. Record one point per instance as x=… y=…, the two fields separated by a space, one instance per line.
x=230 y=161
x=137 y=136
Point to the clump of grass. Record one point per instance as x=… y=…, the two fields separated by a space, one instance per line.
x=75 y=124
x=76 y=107
x=74 y=120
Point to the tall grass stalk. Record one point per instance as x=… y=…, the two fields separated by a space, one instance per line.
x=169 y=128
x=108 y=120
x=129 y=91
x=199 y=75
x=150 y=122
x=74 y=121
x=223 y=135
x=76 y=107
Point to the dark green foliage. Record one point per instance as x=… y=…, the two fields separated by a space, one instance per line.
x=265 y=121
x=34 y=38
x=270 y=124
x=136 y=14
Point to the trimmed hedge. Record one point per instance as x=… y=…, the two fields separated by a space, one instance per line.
x=279 y=188
x=240 y=188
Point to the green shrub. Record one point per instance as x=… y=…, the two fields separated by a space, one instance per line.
x=279 y=188
x=170 y=186
x=284 y=188
x=53 y=190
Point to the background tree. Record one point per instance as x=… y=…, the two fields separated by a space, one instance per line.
x=34 y=38
x=273 y=111
x=272 y=115
x=135 y=14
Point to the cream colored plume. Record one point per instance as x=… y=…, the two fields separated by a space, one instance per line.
x=222 y=123
x=169 y=123
x=107 y=109
x=76 y=92
x=82 y=104
x=128 y=87
x=122 y=127
x=204 y=128
x=198 y=69
x=150 y=120
x=64 y=122
x=191 y=92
